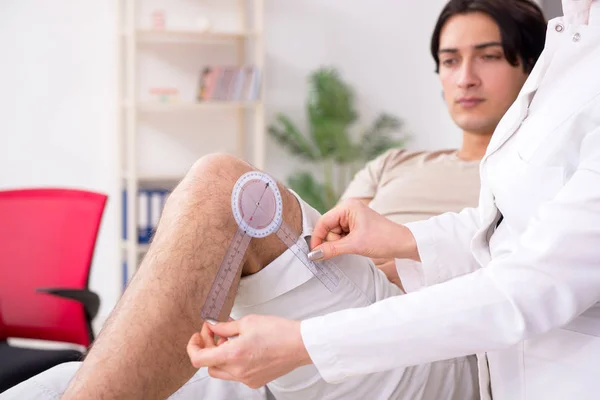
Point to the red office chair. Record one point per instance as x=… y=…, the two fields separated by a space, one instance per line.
x=47 y=240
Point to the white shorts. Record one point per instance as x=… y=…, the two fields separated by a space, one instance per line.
x=288 y=289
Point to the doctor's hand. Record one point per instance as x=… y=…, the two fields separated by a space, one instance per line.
x=353 y=228
x=265 y=348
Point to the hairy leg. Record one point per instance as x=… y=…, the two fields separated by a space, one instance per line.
x=141 y=351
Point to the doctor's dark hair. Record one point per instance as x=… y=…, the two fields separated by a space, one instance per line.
x=521 y=22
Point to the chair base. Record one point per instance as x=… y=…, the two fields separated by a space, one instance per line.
x=18 y=364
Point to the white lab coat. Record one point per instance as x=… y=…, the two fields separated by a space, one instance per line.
x=531 y=314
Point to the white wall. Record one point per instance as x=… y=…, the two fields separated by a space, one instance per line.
x=381 y=48
x=552 y=8
x=58 y=74
x=58 y=125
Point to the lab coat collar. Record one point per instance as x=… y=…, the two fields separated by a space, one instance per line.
x=576 y=11
x=518 y=111
x=569 y=66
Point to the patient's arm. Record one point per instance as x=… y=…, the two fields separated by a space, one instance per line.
x=388 y=267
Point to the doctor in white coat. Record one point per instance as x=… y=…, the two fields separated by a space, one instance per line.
x=516 y=280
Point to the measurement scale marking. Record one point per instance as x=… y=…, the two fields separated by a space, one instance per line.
x=326 y=271
x=228 y=271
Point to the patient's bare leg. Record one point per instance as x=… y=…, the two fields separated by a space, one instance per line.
x=141 y=352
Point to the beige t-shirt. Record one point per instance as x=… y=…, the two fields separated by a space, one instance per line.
x=409 y=186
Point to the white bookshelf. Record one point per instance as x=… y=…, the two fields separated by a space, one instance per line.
x=145 y=107
x=182 y=36
x=235 y=34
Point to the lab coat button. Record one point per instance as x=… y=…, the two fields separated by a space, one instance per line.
x=559 y=28
x=576 y=37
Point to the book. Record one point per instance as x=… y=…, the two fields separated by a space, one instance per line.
x=229 y=83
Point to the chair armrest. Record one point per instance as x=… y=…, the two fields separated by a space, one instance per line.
x=89 y=299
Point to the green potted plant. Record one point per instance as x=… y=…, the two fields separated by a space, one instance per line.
x=335 y=143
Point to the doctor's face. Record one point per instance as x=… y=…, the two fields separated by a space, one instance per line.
x=479 y=83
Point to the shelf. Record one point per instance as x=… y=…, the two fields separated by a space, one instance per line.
x=147 y=179
x=147 y=107
x=155 y=181
x=150 y=36
x=141 y=248
x=175 y=56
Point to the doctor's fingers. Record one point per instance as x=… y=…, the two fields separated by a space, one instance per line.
x=224 y=374
x=333 y=236
x=220 y=373
x=208 y=337
x=195 y=343
x=327 y=250
x=335 y=223
x=201 y=341
x=210 y=356
x=211 y=338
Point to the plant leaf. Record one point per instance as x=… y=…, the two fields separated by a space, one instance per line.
x=376 y=138
x=311 y=191
x=330 y=110
x=290 y=137
x=384 y=124
x=331 y=113
x=330 y=97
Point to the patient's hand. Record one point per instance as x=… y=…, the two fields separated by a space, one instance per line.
x=388 y=267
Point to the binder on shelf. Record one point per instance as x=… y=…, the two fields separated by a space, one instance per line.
x=255 y=85
x=150 y=206
x=124 y=214
x=155 y=210
x=143 y=217
x=163 y=199
x=125 y=276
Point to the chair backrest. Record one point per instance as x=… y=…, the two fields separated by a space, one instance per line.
x=47 y=239
x=2 y=327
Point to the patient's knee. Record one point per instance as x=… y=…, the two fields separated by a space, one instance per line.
x=213 y=177
x=210 y=180
x=207 y=189
x=217 y=169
